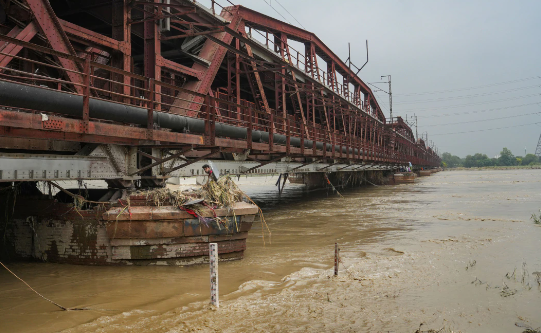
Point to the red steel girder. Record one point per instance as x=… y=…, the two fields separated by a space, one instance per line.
x=190 y=104
x=311 y=60
x=57 y=38
x=92 y=37
x=121 y=31
x=296 y=99
x=233 y=80
x=162 y=62
x=264 y=22
x=152 y=49
x=25 y=35
x=260 y=97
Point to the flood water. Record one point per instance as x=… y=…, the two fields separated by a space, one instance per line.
x=455 y=251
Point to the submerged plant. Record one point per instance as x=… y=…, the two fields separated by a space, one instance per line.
x=536 y=219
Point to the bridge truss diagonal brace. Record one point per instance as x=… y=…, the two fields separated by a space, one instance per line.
x=52 y=29
x=214 y=52
x=163 y=160
x=262 y=98
x=11 y=50
x=286 y=55
x=212 y=152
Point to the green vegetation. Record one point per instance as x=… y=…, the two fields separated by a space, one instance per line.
x=506 y=158
x=536 y=219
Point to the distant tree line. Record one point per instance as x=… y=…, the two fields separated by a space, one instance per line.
x=478 y=160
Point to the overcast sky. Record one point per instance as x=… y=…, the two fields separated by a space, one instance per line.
x=457 y=64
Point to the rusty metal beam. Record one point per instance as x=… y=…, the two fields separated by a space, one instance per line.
x=264 y=22
x=163 y=160
x=92 y=37
x=262 y=99
x=121 y=32
x=57 y=38
x=212 y=152
x=286 y=55
x=215 y=54
x=162 y=62
x=10 y=50
x=68 y=129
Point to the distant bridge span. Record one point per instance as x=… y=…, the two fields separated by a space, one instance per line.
x=142 y=90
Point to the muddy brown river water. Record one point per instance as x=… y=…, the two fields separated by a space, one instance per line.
x=455 y=251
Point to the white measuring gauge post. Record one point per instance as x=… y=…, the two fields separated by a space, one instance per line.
x=213 y=260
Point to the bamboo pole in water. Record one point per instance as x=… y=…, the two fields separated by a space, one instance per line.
x=336 y=259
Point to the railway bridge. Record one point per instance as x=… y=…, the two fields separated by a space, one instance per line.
x=137 y=91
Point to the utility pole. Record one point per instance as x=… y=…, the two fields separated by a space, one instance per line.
x=413 y=123
x=416 y=135
x=390 y=97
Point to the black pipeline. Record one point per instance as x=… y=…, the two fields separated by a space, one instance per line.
x=36 y=98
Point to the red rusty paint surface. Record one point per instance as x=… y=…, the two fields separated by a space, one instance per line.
x=58 y=232
x=115 y=75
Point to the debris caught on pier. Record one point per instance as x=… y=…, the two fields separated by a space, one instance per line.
x=223 y=193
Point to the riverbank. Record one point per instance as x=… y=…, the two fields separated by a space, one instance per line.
x=514 y=167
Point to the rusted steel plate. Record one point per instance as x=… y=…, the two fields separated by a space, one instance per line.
x=146 y=213
x=145 y=229
x=37 y=144
x=102 y=130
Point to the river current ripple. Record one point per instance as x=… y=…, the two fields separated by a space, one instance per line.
x=455 y=251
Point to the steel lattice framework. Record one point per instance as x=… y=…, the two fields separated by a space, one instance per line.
x=161 y=85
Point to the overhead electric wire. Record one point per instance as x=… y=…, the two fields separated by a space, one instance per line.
x=468 y=104
x=479 y=111
x=382 y=99
x=482 y=120
x=277 y=12
x=377 y=87
x=469 y=88
x=488 y=129
x=468 y=96
x=290 y=14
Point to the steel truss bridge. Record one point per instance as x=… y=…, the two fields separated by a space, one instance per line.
x=133 y=90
